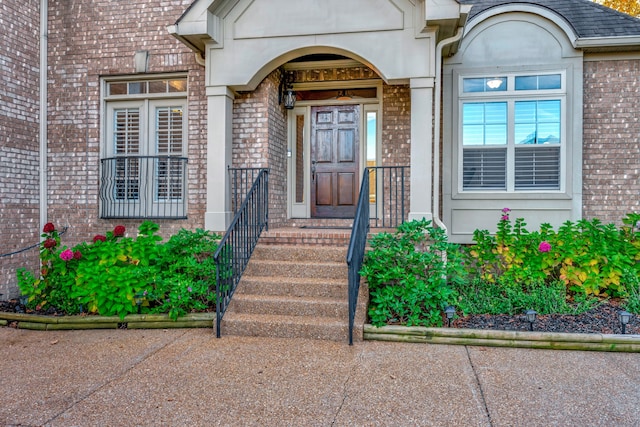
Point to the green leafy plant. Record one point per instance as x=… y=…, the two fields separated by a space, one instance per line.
x=587 y=256
x=113 y=273
x=409 y=274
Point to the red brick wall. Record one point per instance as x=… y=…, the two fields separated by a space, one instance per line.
x=611 y=153
x=92 y=39
x=19 y=141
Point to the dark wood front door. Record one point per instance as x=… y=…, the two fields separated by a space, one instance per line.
x=334 y=161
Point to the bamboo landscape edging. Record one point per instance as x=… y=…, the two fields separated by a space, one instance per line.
x=512 y=339
x=132 y=321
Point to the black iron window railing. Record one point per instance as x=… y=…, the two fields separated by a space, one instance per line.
x=388 y=195
x=143 y=187
x=357 y=245
x=237 y=245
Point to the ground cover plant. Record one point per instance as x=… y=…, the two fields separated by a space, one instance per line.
x=567 y=271
x=119 y=275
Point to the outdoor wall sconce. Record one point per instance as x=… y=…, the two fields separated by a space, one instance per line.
x=531 y=317
x=450 y=312
x=286 y=94
x=624 y=317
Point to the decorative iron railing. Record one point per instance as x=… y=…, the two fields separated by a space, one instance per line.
x=388 y=195
x=237 y=245
x=241 y=181
x=143 y=187
x=357 y=244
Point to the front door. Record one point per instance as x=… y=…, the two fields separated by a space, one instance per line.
x=334 y=161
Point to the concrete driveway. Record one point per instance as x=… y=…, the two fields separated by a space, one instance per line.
x=187 y=377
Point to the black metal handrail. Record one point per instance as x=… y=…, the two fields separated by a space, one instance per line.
x=135 y=186
x=389 y=196
x=238 y=243
x=241 y=181
x=357 y=245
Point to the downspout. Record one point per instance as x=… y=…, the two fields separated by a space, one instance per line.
x=43 y=201
x=436 y=128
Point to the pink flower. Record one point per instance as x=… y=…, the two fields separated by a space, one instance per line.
x=544 y=246
x=506 y=210
x=99 y=237
x=66 y=255
x=49 y=228
x=119 y=231
x=504 y=217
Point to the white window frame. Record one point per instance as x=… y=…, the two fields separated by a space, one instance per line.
x=510 y=96
x=147 y=104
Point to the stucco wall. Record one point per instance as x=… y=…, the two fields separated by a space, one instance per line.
x=19 y=127
x=93 y=39
x=611 y=139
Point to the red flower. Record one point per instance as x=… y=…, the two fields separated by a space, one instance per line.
x=49 y=228
x=119 y=231
x=99 y=237
x=50 y=243
x=77 y=255
x=44 y=271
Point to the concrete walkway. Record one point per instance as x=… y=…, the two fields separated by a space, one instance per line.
x=187 y=377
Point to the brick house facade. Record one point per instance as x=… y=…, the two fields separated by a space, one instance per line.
x=94 y=44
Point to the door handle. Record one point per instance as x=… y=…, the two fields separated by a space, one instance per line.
x=313 y=169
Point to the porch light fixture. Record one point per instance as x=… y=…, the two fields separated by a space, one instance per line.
x=494 y=83
x=343 y=96
x=624 y=317
x=531 y=317
x=286 y=94
x=450 y=311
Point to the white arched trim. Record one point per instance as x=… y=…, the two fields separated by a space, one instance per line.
x=552 y=16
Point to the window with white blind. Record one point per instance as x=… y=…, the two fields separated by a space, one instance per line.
x=511 y=136
x=144 y=154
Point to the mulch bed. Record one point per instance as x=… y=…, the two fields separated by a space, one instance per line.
x=602 y=319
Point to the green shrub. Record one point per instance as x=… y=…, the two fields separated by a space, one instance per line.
x=114 y=273
x=480 y=297
x=409 y=274
x=589 y=257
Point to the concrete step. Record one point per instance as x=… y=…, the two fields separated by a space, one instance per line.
x=264 y=325
x=296 y=269
x=290 y=306
x=294 y=287
x=297 y=253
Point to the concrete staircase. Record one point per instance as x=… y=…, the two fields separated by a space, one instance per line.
x=296 y=286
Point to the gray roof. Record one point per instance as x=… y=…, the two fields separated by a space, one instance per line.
x=588 y=19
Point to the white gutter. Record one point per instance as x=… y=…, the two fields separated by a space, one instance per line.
x=436 y=128
x=43 y=200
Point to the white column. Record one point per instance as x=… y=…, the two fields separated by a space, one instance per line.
x=421 y=148
x=219 y=138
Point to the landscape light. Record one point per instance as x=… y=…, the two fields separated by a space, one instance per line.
x=624 y=317
x=531 y=317
x=450 y=311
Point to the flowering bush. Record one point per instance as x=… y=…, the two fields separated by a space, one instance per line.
x=109 y=274
x=590 y=258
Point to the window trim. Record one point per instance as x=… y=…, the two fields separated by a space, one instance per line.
x=510 y=96
x=147 y=103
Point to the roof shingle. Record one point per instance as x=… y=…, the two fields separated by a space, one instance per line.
x=588 y=19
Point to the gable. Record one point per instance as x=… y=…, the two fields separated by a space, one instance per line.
x=281 y=18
